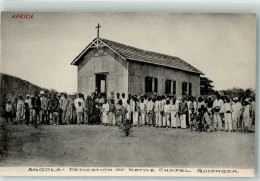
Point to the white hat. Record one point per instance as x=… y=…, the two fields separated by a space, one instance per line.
x=236 y=98
x=42 y=92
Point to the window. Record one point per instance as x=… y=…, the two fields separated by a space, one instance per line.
x=155 y=85
x=184 y=88
x=190 y=89
x=168 y=86
x=148 y=84
x=151 y=84
x=174 y=87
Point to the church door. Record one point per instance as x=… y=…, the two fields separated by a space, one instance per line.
x=101 y=84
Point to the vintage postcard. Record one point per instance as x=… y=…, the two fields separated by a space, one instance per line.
x=127 y=94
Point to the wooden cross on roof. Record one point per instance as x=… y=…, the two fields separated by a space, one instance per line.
x=98 y=26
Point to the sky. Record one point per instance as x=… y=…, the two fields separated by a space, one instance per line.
x=40 y=50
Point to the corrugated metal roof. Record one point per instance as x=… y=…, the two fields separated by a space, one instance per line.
x=136 y=54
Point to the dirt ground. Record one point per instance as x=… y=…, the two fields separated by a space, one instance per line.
x=85 y=145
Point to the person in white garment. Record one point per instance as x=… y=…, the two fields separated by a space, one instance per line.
x=150 y=111
x=20 y=109
x=142 y=111
x=195 y=103
x=124 y=100
x=64 y=106
x=134 y=110
x=173 y=112
x=237 y=108
x=105 y=112
x=228 y=115
x=44 y=107
x=128 y=110
x=178 y=121
x=112 y=110
x=79 y=105
x=183 y=110
x=162 y=122
x=146 y=114
x=247 y=121
x=167 y=113
x=217 y=109
x=157 y=111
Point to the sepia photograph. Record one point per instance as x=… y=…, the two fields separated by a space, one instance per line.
x=163 y=94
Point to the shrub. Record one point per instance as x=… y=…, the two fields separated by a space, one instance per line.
x=126 y=127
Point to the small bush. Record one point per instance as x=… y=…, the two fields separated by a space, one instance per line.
x=126 y=127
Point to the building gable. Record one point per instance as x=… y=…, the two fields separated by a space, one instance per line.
x=95 y=44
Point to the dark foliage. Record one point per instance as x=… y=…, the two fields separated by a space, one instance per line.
x=126 y=127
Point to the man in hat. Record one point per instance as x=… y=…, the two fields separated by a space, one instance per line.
x=44 y=107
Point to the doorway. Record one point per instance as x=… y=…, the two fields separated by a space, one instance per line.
x=101 y=86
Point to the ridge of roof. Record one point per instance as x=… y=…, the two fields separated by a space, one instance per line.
x=137 y=54
x=140 y=55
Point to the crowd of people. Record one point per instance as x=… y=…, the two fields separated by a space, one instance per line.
x=203 y=114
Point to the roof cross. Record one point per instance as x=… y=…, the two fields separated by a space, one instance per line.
x=98 y=26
